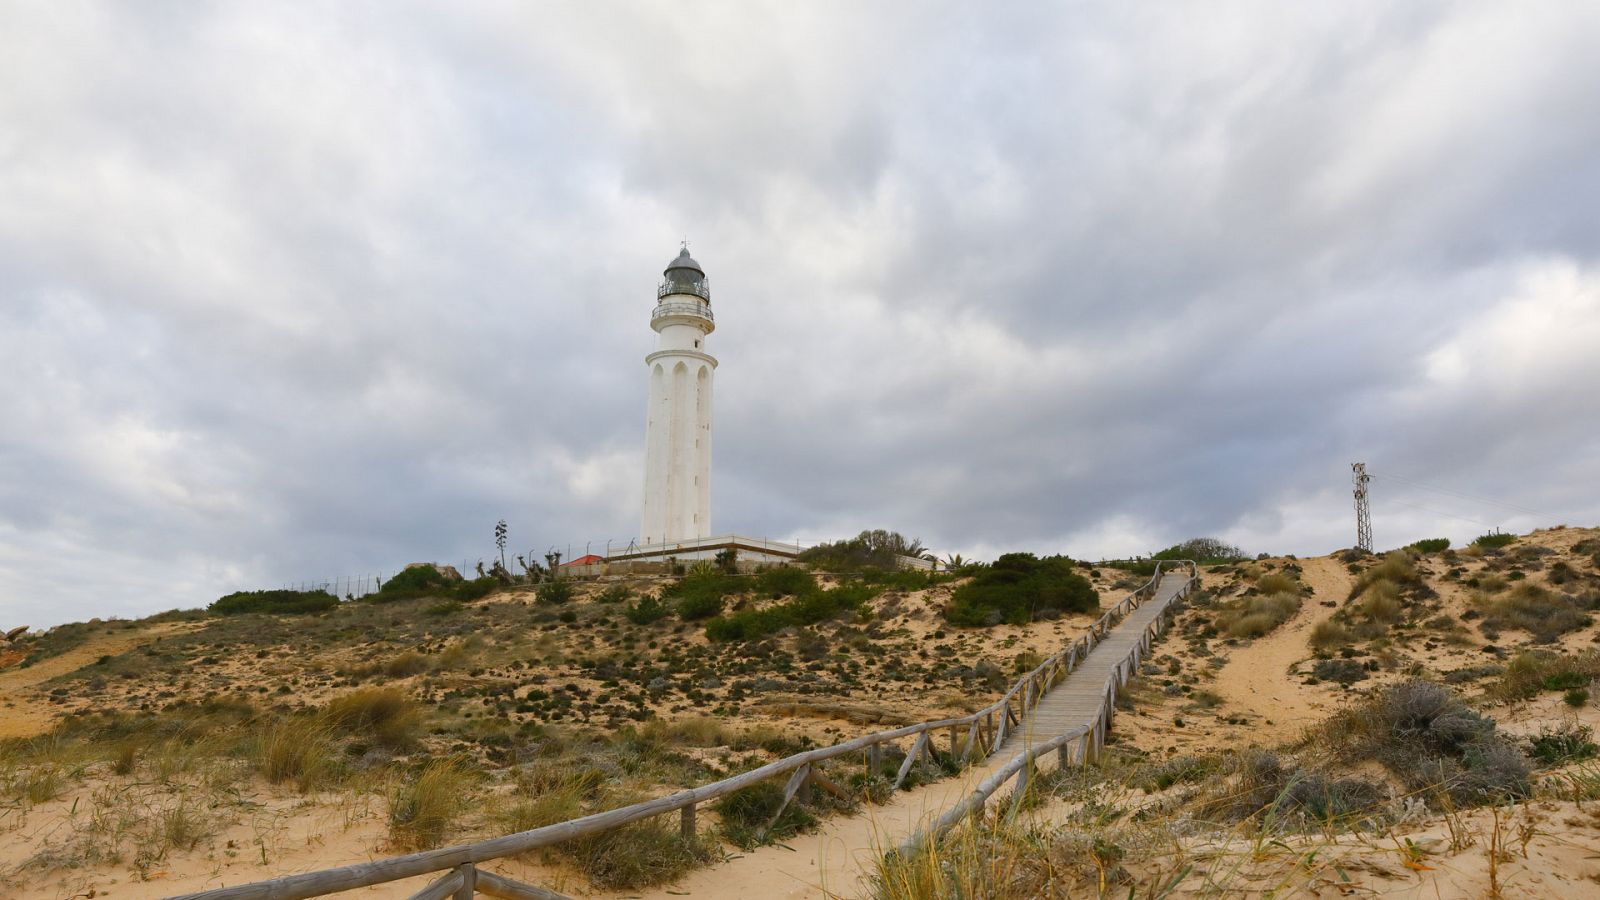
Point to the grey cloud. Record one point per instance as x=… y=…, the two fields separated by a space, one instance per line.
x=289 y=293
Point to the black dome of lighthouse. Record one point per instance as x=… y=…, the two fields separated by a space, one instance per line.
x=683 y=261
x=684 y=275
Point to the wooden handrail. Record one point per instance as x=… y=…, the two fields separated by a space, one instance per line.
x=344 y=878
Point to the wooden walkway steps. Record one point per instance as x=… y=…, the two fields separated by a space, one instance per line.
x=1077 y=701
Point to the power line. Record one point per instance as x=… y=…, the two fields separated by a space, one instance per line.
x=1438 y=512
x=1465 y=496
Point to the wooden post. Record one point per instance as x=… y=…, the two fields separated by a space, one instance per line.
x=469 y=881
x=874 y=758
x=686 y=823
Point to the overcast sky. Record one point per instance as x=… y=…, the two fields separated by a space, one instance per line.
x=299 y=290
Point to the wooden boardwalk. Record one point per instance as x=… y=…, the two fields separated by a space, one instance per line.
x=1077 y=701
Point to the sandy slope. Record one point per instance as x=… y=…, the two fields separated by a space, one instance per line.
x=26 y=711
x=1256 y=678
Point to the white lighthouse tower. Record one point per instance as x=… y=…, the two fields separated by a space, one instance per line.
x=677 y=474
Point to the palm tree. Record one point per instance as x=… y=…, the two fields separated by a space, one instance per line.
x=954 y=561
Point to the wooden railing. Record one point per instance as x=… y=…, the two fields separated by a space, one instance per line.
x=983 y=731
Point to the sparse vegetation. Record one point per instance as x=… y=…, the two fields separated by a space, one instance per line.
x=1494 y=540
x=1430 y=545
x=1542 y=613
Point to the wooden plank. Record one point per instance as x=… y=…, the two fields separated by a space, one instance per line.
x=469 y=881
x=686 y=826
x=829 y=785
x=789 y=789
x=905 y=767
x=493 y=885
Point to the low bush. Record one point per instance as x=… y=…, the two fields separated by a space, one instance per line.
x=1380 y=602
x=1528 y=607
x=1205 y=551
x=1339 y=671
x=555 y=592
x=1396 y=568
x=1154 y=777
x=877 y=549
x=745 y=812
x=278 y=602
x=1278 y=795
x=406 y=664
x=1567 y=742
x=1430 y=545
x=476 y=589
x=648 y=610
x=614 y=594
x=1252 y=617
x=290 y=750
x=1494 y=540
x=644 y=853
x=1432 y=742
x=1330 y=635
x=1540 y=670
x=693 y=609
x=1277 y=583
x=408 y=584
x=1017 y=588
x=784 y=581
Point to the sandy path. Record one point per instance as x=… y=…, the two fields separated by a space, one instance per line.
x=25 y=712
x=835 y=860
x=1256 y=678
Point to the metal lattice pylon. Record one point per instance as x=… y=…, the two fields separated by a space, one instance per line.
x=1363 y=512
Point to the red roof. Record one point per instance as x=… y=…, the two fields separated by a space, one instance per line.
x=591 y=559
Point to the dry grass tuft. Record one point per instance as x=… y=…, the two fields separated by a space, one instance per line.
x=1252 y=617
x=422 y=809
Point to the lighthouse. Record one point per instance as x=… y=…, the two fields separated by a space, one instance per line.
x=677 y=474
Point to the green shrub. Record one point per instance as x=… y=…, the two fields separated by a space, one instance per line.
x=1494 y=540
x=1205 y=551
x=1567 y=742
x=648 y=610
x=784 y=581
x=279 y=602
x=1430 y=545
x=1577 y=697
x=416 y=581
x=555 y=592
x=614 y=594
x=1339 y=671
x=1017 y=588
x=703 y=606
x=701 y=595
x=1540 y=670
x=878 y=549
x=476 y=589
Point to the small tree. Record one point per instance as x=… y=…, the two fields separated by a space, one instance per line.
x=553 y=561
x=728 y=560
x=500 y=541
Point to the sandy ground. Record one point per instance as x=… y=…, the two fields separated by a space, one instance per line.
x=1257 y=679
x=26 y=712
